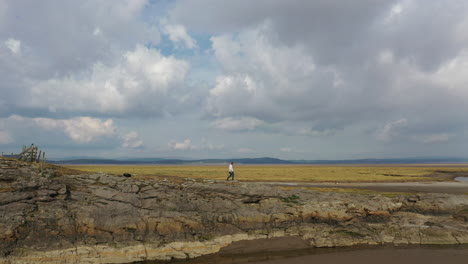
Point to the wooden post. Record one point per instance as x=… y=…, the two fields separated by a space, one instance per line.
x=36 y=149
x=32 y=153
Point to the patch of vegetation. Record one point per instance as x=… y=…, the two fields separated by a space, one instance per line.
x=291 y=199
x=206 y=237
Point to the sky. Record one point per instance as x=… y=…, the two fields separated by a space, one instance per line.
x=299 y=79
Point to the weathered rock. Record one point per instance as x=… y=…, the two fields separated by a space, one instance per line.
x=102 y=218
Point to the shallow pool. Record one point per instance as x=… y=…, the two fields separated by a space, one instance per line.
x=462 y=179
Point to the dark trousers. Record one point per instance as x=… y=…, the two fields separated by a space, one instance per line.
x=231 y=174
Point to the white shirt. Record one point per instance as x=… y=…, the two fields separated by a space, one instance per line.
x=231 y=169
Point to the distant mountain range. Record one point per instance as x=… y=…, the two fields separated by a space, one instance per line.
x=264 y=160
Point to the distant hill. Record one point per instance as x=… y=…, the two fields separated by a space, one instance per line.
x=264 y=160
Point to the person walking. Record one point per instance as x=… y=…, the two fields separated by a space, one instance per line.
x=231 y=171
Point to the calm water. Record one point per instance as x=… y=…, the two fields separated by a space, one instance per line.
x=374 y=255
x=463 y=179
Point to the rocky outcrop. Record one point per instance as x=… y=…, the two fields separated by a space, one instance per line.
x=98 y=218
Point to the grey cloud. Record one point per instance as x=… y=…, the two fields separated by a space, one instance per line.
x=426 y=33
x=371 y=62
x=64 y=40
x=325 y=70
x=330 y=29
x=140 y=83
x=61 y=35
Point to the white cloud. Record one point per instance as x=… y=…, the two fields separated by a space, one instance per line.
x=132 y=140
x=97 y=31
x=268 y=80
x=435 y=138
x=287 y=150
x=311 y=132
x=386 y=57
x=86 y=129
x=5 y=137
x=395 y=12
x=178 y=35
x=140 y=82
x=245 y=150
x=187 y=144
x=79 y=129
x=452 y=75
x=240 y=124
x=184 y=145
x=211 y=146
x=391 y=129
x=14 y=46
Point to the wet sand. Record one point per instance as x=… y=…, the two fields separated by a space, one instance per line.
x=381 y=256
x=412 y=255
x=294 y=250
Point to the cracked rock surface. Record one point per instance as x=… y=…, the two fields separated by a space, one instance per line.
x=99 y=218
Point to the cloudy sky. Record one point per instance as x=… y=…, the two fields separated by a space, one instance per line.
x=300 y=79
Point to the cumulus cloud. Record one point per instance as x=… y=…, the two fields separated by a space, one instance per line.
x=310 y=68
x=187 y=144
x=70 y=44
x=81 y=38
x=184 y=145
x=380 y=60
x=139 y=83
x=79 y=129
x=14 y=46
x=392 y=129
x=211 y=146
x=97 y=31
x=245 y=150
x=435 y=138
x=132 y=140
x=240 y=124
x=264 y=79
x=178 y=35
